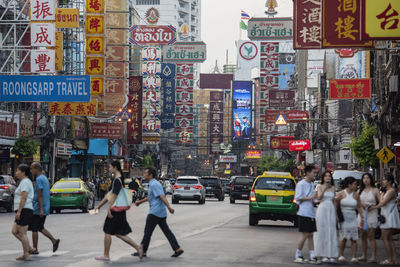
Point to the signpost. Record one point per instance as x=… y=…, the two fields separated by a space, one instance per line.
x=385 y=155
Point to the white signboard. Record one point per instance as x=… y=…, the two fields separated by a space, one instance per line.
x=43 y=34
x=64 y=149
x=43 y=61
x=344 y=157
x=248 y=58
x=193 y=52
x=314 y=68
x=43 y=10
x=228 y=158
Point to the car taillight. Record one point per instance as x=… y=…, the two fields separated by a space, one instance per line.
x=197 y=187
x=77 y=193
x=233 y=187
x=4 y=187
x=177 y=186
x=253 y=196
x=294 y=201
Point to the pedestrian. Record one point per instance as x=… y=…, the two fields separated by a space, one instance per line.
x=102 y=189
x=390 y=214
x=304 y=197
x=157 y=214
x=369 y=196
x=41 y=208
x=349 y=200
x=325 y=239
x=23 y=205
x=115 y=223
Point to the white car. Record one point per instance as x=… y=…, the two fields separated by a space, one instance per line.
x=188 y=188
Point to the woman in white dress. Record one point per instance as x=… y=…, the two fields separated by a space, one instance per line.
x=389 y=210
x=369 y=196
x=325 y=239
x=349 y=200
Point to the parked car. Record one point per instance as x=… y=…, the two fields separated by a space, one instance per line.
x=7 y=190
x=188 y=188
x=168 y=187
x=272 y=198
x=227 y=185
x=71 y=193
x=214 y=187
x=240 y=188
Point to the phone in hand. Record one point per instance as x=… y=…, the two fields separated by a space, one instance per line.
x=94 y=211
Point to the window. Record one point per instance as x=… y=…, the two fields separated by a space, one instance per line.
x=147 y=2
x=187 y=181
x=209 y=180
x=275 y=184
x=244 y=180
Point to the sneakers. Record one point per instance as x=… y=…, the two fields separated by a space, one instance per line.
x=314 y=261
x=299 y=259
x=325 y=260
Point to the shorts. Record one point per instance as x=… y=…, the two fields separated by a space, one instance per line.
x=37 y=223
x=307 y=224
x=25 y=218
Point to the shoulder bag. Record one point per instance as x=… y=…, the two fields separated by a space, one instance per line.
x=123 y=201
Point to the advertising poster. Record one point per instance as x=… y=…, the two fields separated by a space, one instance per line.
x=241 y=110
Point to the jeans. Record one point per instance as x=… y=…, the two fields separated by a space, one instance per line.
x=151 y=223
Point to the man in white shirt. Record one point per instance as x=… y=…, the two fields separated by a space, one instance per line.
x=304 y=196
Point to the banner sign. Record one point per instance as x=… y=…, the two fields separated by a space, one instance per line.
x=73 y=109
x=168 y=86
x=43 y=34
x=116 y=53
x=350 y=89
x=43 y=61
x=307 y=24
x=216 y=120
x=341 y=24
x=299 y=145
x=380 y=19
x=228 y=158
x=19 y=88
x=253 y=154
x=67 y=18
x=64 y=149
x=291 y=115
x=43 y=10
x=241 y=109
x=281 y=142
x=106 y=130
x=193 y=52
x=270 y=29
x=152 y=35
x=281 y=98
x=134 y=128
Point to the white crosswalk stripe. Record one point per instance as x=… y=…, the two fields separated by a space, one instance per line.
x=9 y=252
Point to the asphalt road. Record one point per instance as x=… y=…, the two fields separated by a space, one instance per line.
x=214 y=234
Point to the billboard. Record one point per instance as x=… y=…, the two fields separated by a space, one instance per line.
x=241 y=109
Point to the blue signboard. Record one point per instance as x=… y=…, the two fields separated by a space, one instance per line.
x=285 y=71
x=167 y=71
x=168 y=88
x=241 y=110
x=20 y=88
x=167 y=121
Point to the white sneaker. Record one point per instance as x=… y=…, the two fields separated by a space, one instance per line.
x=325 y=260
x=299 y=259
x=332 y=260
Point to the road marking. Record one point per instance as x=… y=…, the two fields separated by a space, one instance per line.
x=89 y=254
x=9 y=252
x=49 y=253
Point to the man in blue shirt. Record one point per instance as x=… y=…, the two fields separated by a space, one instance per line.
x=41 y=208
x=157 y=214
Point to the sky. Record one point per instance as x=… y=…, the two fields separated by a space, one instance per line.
x=220 y=26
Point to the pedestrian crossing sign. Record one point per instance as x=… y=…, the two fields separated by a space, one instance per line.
x=385 y=155
x=281 y=120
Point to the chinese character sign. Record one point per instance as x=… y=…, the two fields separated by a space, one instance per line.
x=43 y=10
x=350 y=89
x=97 y=85
x=95 y=65
x=43 y=61
x=168 y=86
x=381 y=19
x=95 y=6
x=95 y=24
x=341 y=24
x=307 y=24
x=43 y=34
x=73 y=109
x=94 y=45
x=216 y=119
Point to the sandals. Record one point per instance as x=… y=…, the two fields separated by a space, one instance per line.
x=34 y=252
x=354 y=260
x=342 y=259
x=386 y=262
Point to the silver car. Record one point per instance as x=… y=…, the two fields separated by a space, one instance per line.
x=7 y=190
x=188 y=188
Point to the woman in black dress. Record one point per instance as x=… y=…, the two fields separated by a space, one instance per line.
x=116 y=223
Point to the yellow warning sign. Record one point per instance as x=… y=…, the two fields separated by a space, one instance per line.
x=385 y=155
x=281 y=120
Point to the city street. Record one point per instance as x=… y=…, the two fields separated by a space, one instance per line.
x=214 y=234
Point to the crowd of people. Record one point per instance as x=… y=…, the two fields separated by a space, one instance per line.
x=357 y=210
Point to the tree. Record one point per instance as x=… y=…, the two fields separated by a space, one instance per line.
x=25 y=147
x=269 y=163
x=363 y=147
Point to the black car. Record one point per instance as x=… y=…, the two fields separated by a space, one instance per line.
x=240 y=188
x=214 y=187
x=227 y=185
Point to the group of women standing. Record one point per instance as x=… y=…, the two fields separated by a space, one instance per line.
x=337 y=212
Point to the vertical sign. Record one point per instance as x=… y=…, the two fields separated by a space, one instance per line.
x=241 y=109
x=307 y=24
x=168 y=86
x=216 y=120
x=184 y=103
x=134 y=128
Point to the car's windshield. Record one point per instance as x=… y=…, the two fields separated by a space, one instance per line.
x=225 y=181
x=272 y=183
x=187 y=181
x=210 y=180
x=244 y=180
x=2 y=180
x=67 y=185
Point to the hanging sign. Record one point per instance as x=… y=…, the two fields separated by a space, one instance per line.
x=67 y=18
x=194 y=52
x=73 y=109
x=43 y=61
x=43 y=10
x=43 y=34
x=152 y=35
x=299 y=145
x=350 y=89
x=270 y=29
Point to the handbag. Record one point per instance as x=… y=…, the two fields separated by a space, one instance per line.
x=381 y=219
x=123 y=200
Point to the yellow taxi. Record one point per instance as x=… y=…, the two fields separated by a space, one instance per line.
x=272 y=198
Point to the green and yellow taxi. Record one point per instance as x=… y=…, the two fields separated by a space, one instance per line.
x=272 y=198
x=71 y=193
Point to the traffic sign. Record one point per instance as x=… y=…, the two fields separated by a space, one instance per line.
x=281 y=119
x=385 y=155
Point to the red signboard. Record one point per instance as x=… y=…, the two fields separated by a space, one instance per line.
x=253 y=154
x=281 y=98
x=342 y=24
x=350 y=89
x=8 y=129
x=152 y=35
x=280 y=142
x=291 y=115
x=106 y=130
x=307 y=24
x=397 y=152
x=299 y=145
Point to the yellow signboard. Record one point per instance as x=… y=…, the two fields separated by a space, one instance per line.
x=95 y=45
x=73 y=108
x=95 y=24
x=280 y=120
x=385 y=155
x=382 y=18
x=96 y=85
x=59 y=51
x=95 y=6
x=67 y=18
x=94 y=65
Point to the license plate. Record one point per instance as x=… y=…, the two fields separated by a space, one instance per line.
x=274 y=198
x=64 y=195
x=209 y=187
x=245 y=195
x=187 y=188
